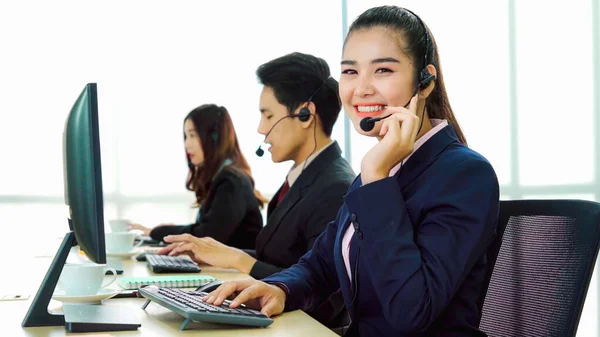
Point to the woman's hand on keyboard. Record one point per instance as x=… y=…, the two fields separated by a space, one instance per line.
x=267 y=298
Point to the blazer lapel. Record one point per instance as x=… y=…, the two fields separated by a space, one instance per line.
x=417 y=163
x=425 y=155
x=345 y=283
x=276 y=216
x=340 y=266
x=273 y=202
x=277 y=213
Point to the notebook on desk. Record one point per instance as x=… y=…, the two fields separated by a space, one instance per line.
x=183 y=281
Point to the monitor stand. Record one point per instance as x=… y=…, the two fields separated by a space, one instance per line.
x=79 y=318
x=38 y=314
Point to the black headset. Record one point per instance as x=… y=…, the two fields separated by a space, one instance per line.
x=304 y=113
x=215 y=133
x=367 y=124
x=425 y=78
x=303 y=116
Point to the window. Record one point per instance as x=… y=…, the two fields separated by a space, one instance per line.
x=153 y=64
x=555 y=135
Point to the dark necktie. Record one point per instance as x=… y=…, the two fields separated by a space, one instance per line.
x=284 y=189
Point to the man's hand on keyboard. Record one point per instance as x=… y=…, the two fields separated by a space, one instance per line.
x=269 y=299
x=208 y=251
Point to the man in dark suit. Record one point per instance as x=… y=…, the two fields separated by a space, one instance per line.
x=294 y=85
x=299 y=105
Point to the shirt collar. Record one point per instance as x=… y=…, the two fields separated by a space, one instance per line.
x=297 y=170
x=438 y=124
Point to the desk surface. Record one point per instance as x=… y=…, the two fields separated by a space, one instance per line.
x=155 y=320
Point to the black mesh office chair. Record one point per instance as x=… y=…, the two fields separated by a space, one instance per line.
x=542 y=259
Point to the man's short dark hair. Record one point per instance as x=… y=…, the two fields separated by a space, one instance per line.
x=295 y=77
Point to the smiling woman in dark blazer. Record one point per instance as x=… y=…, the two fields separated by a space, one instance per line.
x=408 y=246
x=228 y=205
x=299 y=105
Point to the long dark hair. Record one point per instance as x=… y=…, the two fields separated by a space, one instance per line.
x=412 y=30
x=219 y=143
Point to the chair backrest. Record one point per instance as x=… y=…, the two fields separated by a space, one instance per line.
x=541 y=264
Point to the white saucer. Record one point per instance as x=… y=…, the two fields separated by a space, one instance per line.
x=127 y=255
x=103 y=294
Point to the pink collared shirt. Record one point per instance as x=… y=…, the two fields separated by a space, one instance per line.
x=437 y=124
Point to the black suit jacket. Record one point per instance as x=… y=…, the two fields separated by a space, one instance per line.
x=293 y=226
x=230 y=214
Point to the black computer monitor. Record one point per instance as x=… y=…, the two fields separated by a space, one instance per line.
x=83 y=194
x=83 y=174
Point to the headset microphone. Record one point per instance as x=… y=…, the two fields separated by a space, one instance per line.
x=303 y=116
x=260 y=152
x=425 y=78
x=368 y=123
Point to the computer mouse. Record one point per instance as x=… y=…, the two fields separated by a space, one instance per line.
x=207 y=288
x=141 y=257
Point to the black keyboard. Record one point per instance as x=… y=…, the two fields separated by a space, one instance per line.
x=171 y=264
x=188 y=304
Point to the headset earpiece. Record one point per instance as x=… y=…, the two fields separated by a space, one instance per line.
x=215 y=133
x=304 y=114
x=426 y=78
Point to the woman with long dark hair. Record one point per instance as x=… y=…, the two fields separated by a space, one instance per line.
x=228 y=204
x=408 y=246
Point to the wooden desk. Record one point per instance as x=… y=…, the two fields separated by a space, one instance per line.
x=155 y=320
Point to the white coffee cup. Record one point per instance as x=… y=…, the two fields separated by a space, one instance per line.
x=84 y=279
x=119 y=225
x=120 y=242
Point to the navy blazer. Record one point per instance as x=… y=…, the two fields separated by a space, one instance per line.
x=418 y=253
x=311 y=203
x=303 y=214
